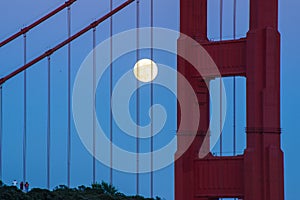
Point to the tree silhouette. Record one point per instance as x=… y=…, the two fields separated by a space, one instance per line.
x=108 y=189
x=103 y=191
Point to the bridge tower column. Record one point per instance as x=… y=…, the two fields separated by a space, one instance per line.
x=193 y=23
x=263 y=158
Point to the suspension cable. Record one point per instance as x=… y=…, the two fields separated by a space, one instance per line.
x=110 y=95
x=234 y=18
x=1 y=130
x=234 y=83
x=36 y=23
x=69 y=99
x=48 y=122
x=234 y=115
x=151 y=100
x=94 y=105
x=221 y=20
x=25 y=110
x=65 y=42
x=137 y=96
x=221 y=38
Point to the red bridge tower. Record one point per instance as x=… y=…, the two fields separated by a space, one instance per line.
x=258 y=173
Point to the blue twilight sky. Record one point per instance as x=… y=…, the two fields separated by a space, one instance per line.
x=16 y=14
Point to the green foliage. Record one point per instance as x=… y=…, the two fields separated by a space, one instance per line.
x=11 y=192
x=108 y=189
x=103 y=191
x=37 y=194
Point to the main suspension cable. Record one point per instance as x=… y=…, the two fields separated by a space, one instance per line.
x=65 y=42
x=36 y=23
x=1 y=130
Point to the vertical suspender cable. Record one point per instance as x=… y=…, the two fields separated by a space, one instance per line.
x=234 y=83
x=234 y=19
x=110 y=95
x=234 y=116
x=137 y=96
x=221 y=38
x=69 y=101
x=1 y=131
x=25 y=111
x=94 y=105
x=48 y=122
x=151 y=102
x=221 y=20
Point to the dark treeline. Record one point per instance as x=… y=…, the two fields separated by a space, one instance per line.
x=97 y=191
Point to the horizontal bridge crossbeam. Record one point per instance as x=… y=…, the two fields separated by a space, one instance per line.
x=229 y=56
x=219 y=175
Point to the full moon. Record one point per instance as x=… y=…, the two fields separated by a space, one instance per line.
x=145 y=70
